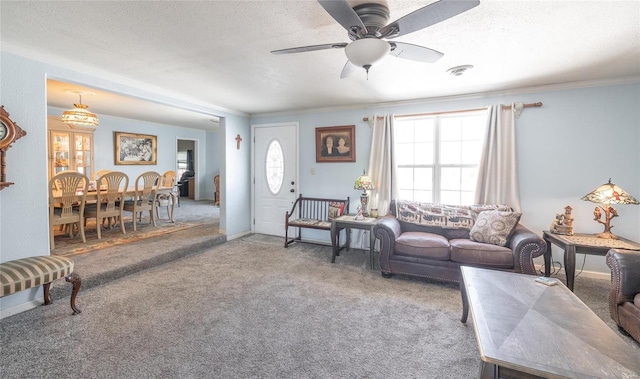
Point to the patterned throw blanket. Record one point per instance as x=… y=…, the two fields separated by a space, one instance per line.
x=443 y=215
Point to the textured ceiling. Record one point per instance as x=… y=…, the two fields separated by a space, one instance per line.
x=217 y=53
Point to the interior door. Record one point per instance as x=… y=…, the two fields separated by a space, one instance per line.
x=275 y=175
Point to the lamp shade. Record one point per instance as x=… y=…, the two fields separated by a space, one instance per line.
x=364 y=182
x=366 y=52
x=80 y=116
x=609 y=193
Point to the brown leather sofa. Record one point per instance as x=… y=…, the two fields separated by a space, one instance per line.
x=624 y=298
x=437 y=253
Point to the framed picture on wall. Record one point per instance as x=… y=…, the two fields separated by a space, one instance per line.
x=135 y=149
x=336 y=144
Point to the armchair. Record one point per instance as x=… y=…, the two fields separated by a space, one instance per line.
x=624 y=298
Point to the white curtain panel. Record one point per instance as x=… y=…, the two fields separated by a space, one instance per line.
x=497 y=174
x=382 y=168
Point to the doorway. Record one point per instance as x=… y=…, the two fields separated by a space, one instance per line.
x=186 y=168
x=275 y=173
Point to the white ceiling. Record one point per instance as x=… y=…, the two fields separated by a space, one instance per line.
x=217 y=53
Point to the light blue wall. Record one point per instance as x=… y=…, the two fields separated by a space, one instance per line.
x=572 y=144
x=23 y=206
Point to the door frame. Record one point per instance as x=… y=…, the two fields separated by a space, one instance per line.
x=296 y=124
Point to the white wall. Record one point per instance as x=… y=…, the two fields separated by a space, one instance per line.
x=575 y=142
x=23 y=206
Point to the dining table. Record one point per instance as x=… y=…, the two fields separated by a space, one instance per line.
x=92 y=195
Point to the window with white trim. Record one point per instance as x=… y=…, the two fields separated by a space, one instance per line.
x=438 y=156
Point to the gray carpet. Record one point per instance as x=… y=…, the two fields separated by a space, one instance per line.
x=252 y=309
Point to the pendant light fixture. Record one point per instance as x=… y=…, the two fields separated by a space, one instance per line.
x=80 y=116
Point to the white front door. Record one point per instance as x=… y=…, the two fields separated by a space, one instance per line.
x=275 y=168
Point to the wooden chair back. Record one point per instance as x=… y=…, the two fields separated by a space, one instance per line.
x=67 y=195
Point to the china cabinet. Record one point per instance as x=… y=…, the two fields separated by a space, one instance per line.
x=69 y=148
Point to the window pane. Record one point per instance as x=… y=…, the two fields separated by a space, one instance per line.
x=468 y=178
x=425 y=130
x=274 y=167
x=423 y=178
x=450 y=129
x=471 y=151
x=450 y=152
x=404 y=132
x=450 y=197
x=404 y=153
x=423 y=196
x=450 y=178
x=466 y=198
x=406 y=194
x=424 y=153
x=405 y=178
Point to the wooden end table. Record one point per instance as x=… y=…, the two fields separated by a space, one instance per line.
x=580 y=244
x=526 y=329
x=349 y=222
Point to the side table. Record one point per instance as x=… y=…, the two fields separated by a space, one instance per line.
x=349 y=222
x=580 y=244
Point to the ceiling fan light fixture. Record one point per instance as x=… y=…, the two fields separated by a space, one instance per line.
x=367 y=51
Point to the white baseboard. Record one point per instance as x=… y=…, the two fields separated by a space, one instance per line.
x=236 y=236
x=590 y=274
x=21 y=308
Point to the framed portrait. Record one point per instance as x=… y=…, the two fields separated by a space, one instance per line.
x=336 y=144
x=135 y=149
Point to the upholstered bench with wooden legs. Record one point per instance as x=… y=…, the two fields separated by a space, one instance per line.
x=25 y=273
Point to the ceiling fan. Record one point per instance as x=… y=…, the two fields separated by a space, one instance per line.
x=368 y=30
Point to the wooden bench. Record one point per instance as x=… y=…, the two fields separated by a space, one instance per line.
x=312 y=213
x=22 y=274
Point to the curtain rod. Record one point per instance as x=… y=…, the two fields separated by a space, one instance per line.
x=504 y=107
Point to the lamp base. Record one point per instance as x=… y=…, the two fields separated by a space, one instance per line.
x=607 y=235
x=364 y=201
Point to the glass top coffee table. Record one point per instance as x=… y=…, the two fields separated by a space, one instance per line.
x=525 y=328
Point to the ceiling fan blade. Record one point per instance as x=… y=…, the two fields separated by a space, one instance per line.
x=303 y=49
x=342 y=12
x=347 y=70
x=414 y=52
x=427 y=16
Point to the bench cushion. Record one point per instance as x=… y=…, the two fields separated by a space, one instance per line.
x=25 y=273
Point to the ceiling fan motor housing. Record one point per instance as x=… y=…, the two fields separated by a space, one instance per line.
x=373 y=16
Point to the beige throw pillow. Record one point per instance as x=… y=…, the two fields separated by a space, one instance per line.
x=494 y=227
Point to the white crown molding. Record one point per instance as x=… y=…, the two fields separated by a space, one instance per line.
x=469 y=96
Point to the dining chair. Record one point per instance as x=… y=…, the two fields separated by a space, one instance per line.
x=98 y=174
x=110 y=201
x=166 y=194
x=67 y=193
x=143 y=199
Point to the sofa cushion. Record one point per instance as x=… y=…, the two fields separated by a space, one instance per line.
x=428 y=245
x=494 y=227
x=472 y=253
x=636 y=300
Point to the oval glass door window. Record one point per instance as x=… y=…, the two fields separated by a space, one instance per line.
x=274 y=167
